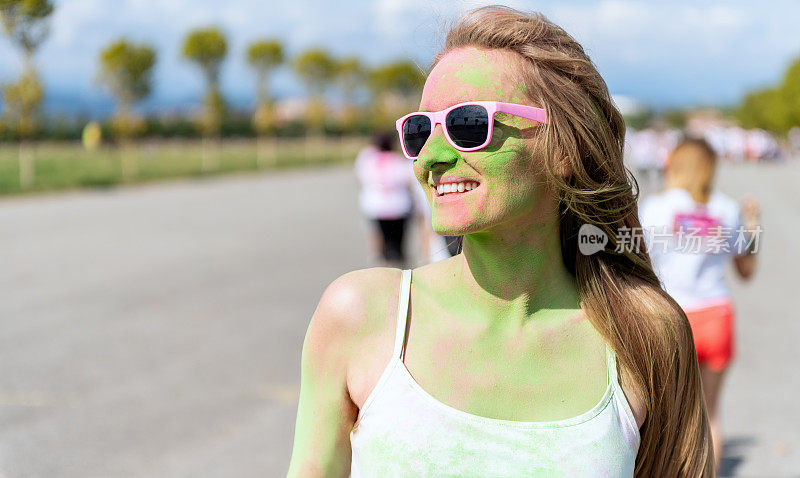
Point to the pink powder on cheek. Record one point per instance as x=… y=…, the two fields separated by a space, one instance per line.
x=456 y=213
x=462 y=213
x=480 y=201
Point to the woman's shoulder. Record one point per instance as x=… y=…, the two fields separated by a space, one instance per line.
x=724 y=205
x=359 y=303
x=666 y=197
x=354 y=304
x=654 y=203
x=369 y=281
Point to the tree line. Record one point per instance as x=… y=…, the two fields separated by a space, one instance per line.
x=125 y=71
x=775 y=108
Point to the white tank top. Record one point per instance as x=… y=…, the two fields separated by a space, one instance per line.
x=403 y=431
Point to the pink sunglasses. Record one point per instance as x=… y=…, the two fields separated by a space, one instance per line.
x=467 y=126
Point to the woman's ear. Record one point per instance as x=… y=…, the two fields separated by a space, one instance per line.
x=564 y=167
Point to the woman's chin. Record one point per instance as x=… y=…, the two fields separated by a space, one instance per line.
x=453 y=229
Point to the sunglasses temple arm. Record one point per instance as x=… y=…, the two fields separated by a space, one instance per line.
x=524 y=111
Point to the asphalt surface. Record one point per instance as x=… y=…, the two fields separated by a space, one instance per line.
x=156 y=330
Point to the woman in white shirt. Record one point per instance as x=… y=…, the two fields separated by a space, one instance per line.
x=519 y=356
x=385 y=197
x=693 y=231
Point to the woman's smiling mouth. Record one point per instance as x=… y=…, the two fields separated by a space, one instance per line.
x=447 y=185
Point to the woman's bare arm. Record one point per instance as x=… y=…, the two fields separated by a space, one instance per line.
x=325 y=413
x=751 y=213
x=745 y=265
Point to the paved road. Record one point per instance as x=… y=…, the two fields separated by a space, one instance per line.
x=156 y=330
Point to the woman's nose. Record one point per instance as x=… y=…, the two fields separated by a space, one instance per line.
x=437 y=152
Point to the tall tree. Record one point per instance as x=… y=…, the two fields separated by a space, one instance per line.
x=775 y=109
x=22 y=99
x=316 y=69
x=350 y=75
x=207 y=48
x=395 y=87
x=126 y=71
x=791 y=93
x=264 y=56
x=402 y=77
x=766 y=109
x=25 y=22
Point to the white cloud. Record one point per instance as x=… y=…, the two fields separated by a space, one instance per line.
x=645 y=49
x=684 y=51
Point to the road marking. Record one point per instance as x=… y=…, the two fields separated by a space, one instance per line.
x=23 y=398
x=285 y=394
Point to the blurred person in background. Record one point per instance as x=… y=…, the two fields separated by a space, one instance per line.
x=693 y=231
x=521 y=355
x=385 y=197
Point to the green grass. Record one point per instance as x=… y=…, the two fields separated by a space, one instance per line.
x=67 y=165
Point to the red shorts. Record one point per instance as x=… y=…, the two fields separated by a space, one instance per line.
x=712 y=328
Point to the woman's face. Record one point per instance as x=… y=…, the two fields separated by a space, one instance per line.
x=509 y=183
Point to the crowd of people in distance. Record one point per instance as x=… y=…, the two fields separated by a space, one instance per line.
x=647 y=150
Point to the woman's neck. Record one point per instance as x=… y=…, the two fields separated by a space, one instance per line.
x=516 y=274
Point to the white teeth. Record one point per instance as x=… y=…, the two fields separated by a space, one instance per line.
x=442 y=189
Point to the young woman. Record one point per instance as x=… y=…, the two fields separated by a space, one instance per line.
x=385 y=197
x=520 y=356
x=692 y=270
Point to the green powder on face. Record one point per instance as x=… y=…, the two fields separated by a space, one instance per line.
x=483 y=80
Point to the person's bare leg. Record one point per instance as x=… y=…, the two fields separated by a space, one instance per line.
x=376 y=244
x=712 y=383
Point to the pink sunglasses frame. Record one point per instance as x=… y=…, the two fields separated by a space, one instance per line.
x=438 y=117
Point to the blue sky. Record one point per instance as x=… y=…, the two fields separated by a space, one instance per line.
x=662 y=53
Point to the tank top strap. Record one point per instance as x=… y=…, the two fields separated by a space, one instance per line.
x=402 y=314
x=611 y=364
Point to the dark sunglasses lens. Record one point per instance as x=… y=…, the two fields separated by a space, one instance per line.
x=468 y=125
x=416 y=130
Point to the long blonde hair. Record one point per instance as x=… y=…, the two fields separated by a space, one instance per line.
x=619 y=290
x=691 y=167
